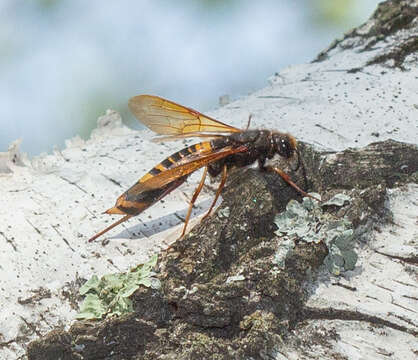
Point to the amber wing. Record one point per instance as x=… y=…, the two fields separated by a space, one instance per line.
x=193 y=163
x=165 y=117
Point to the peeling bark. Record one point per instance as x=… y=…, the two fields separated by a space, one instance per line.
x=394 y=19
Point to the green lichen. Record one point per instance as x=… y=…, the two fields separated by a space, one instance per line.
x=308 y=222
x=338 y=200
x=224 y=212
x=285 y=249
x=235 y=278
x=109 y=295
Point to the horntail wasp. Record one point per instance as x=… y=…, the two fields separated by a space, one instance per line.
x=226 y=147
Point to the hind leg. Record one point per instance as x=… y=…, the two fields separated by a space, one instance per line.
x=218 y=192
x=194 y=197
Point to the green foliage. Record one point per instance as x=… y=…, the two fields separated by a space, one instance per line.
x=335 y=9
x=109 y=295
x=307 y=221
x=48 y=4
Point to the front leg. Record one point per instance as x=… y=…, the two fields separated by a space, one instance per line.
x=287 y=178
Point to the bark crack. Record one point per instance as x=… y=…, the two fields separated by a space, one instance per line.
x=73 y=183
x=10 y=241
x=63 y=238
x=117 y=183
x=350 y=315
x=410 y=260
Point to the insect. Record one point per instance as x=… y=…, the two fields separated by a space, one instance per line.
x=224 y=148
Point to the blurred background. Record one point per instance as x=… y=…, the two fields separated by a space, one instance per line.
x=64 y=62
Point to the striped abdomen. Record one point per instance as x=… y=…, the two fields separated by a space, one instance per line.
x=177 y=158
x=133 y=202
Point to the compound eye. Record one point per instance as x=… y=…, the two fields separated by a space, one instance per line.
x=285 y=148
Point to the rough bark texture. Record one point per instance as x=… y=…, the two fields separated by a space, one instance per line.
x=392 y=19
x=225 y=292
x=200 y=313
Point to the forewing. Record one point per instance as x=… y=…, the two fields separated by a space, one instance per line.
x=185 y=136
x=168 y=118
x=185 y=168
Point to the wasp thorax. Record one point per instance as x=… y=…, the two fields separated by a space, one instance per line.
x=285 y=145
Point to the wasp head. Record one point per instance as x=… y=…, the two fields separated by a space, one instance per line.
x=284 y=144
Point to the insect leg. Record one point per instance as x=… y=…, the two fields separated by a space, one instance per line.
x=218 y=192
x=249 y=121
x=286 y=178
x=110 y=227
x=195 y=195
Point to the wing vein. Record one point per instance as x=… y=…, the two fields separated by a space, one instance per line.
x=168 y=118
